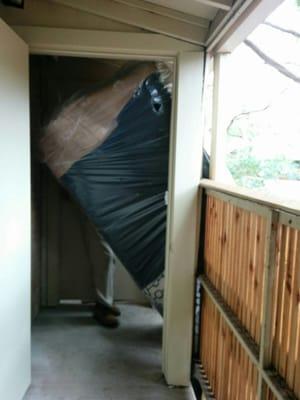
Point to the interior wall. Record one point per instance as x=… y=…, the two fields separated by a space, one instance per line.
x=65 y=246
x=14 y=217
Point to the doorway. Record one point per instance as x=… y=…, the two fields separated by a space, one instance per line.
x=63 y=248
x=66 y=271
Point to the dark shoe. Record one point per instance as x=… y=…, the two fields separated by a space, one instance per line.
x=105 y=318
x=114 y=310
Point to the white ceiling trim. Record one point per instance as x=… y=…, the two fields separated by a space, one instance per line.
x=59 y=41
x=221 y=4
x=167 y=12
x=129 y=14
x=232 y=28
x=191 y=7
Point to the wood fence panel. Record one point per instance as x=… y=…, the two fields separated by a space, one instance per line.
x=228 y=368
x=250 y=299
x=286 y=303
x=270 y=395
x=234 y=259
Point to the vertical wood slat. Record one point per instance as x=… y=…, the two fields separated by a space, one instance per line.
x=293 y=328
x=270 y=395
x=267 y=306
x=296 y=383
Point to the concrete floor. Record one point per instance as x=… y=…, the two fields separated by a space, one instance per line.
x=76 y=359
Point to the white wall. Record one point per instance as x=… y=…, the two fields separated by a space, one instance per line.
x=14 y=217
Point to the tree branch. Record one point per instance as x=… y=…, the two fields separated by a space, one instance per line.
x=280 y=28
x=242 y=114
x=268 y=60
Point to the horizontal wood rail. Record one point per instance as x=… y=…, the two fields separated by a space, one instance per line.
x=250 y=295
x=232 y=321
x=291 y=206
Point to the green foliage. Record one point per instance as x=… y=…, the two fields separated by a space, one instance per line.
x=249 y=171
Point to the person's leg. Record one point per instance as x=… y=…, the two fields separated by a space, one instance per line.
x=105 y=312
x=104 y=277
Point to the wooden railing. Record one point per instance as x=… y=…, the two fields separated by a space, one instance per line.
x=250 y=296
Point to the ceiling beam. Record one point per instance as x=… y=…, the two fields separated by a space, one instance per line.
x=85 y=43
x=142 y=18
x=220 y=4
x=167 y=12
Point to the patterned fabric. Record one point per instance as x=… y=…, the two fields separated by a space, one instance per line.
x=155 y=293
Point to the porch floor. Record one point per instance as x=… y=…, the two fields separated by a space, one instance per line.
x=75 y=359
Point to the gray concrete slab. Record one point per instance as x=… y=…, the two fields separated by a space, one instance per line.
x=73 y=358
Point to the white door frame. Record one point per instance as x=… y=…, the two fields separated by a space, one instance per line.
x=184 y=171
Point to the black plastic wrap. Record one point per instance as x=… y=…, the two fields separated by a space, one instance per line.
x=121 y=184
x=120 y=175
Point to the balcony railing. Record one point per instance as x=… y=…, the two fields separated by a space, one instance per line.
x=249 y=272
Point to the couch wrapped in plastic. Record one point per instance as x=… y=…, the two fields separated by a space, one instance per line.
x=109 y=147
